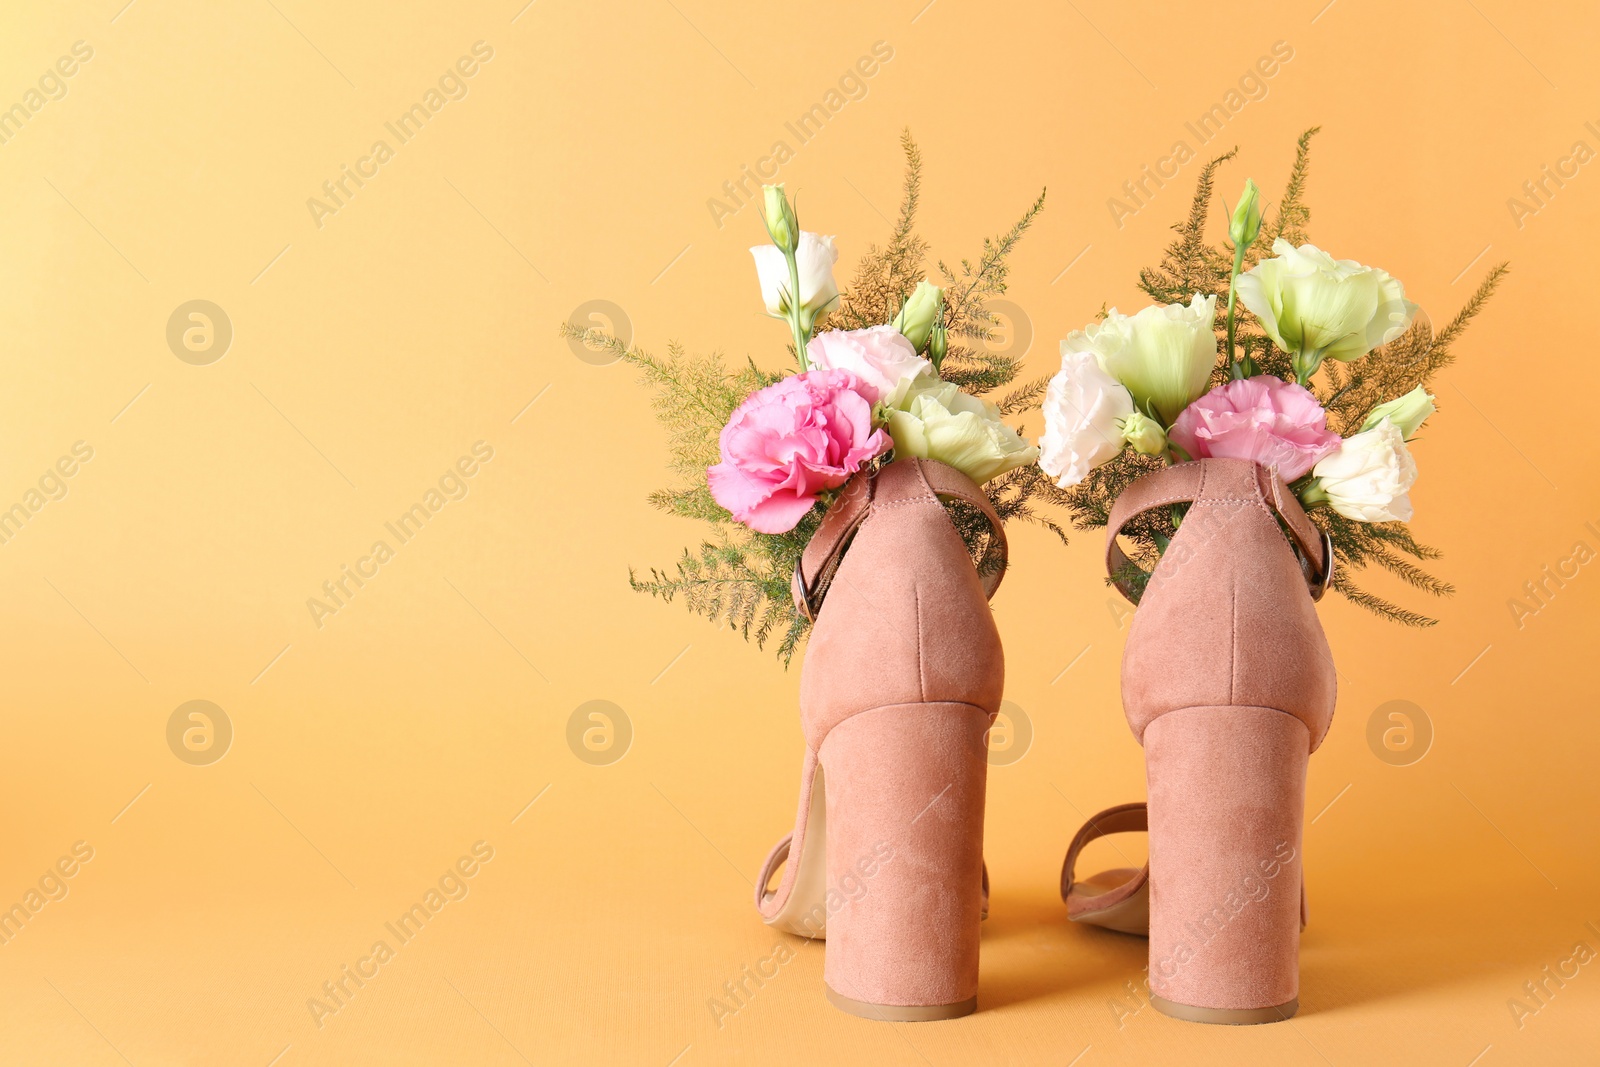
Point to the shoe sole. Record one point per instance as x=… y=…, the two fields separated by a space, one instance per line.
x=1226 y=1016
x=902 y=1013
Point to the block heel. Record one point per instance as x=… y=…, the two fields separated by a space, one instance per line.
x=1227 y=797
x=905 y=860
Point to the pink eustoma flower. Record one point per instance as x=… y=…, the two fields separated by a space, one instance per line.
x=1264 y=419
x=789 y=442
x=879 y=355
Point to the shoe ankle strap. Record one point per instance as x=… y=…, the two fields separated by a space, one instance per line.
x=1188 y=482
x=903 y=481
x=1122 y=819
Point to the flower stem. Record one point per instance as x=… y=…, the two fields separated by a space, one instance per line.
x=1238 y=368
x=1312 y=496
x=800 y=332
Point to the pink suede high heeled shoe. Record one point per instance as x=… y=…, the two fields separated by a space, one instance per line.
x=902 y=679
x=1228 y=684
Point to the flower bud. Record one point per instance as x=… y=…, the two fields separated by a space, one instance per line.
x=919 y=313
x=1246 y=221
x=938 y=345
x=1407 y=413
x=1143 y=433
x=782 y=226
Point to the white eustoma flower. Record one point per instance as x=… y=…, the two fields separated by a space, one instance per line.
x=1164 y=354
x=1315 y=307
x=815 y=258
x=1084 y=408
x=1369 y=478
x=934 y=419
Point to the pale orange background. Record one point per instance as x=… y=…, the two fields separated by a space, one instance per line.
x=369 y=354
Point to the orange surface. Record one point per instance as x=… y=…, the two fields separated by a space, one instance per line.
x=407 y=727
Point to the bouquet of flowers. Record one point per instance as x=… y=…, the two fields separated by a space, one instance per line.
x=1271 y=351
x=894 y=366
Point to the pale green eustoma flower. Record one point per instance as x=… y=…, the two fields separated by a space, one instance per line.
x=1164 y=354
x=933 y=419
x=1315 y=307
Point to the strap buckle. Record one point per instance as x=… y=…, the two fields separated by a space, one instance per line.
x=807 y=608
x=1320 y=583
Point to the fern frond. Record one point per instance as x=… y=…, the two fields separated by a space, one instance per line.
x=1473 y=306
x=1024 y=397
x=1293 y=214
x=1192 y=264
x=977 y=371
x=1352 y=391
x=975 y=368
x=964 y=308
x=1379 y=606
x=886 y=276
